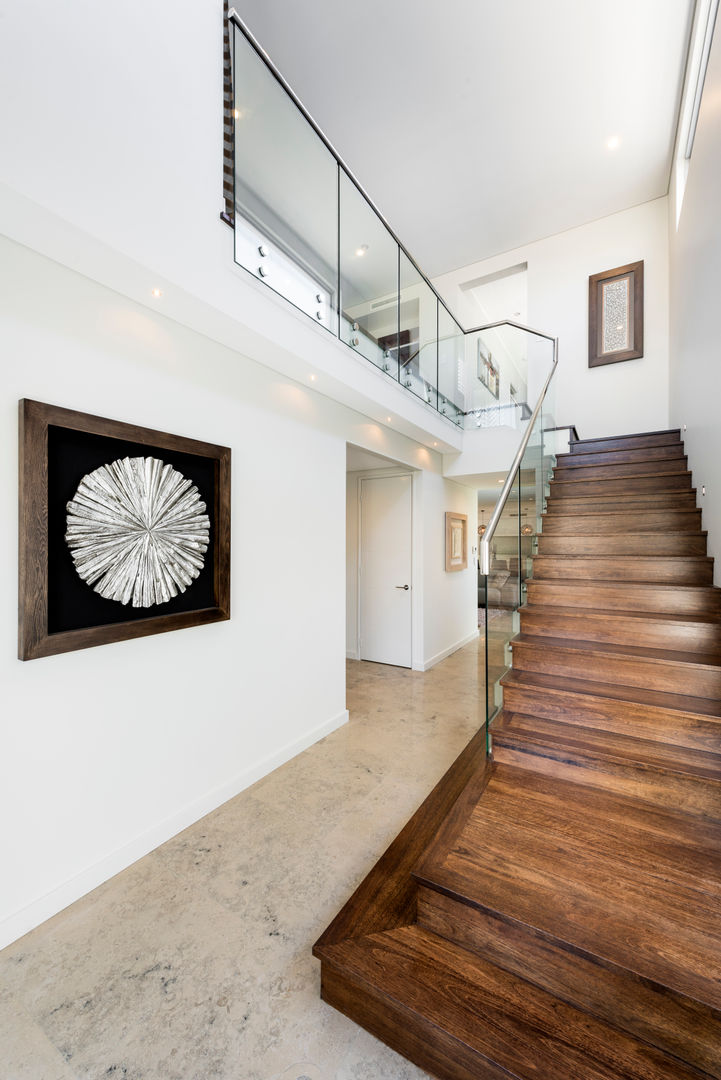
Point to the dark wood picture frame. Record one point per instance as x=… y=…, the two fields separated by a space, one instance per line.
x=596 y=282
x=35 y=639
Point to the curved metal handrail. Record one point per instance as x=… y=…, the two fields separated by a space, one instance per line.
x=484 y=550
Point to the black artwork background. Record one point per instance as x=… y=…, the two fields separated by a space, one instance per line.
x=73 y=604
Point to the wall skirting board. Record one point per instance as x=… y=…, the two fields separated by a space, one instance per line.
x=428 y=664
x=35 y=913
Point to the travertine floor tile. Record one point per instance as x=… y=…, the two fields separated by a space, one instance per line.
x=195 y=963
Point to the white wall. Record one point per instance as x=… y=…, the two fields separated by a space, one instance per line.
x=444 y=604
x=450 y=600
x=695 y=290
x=109 y=751
x=618 y=398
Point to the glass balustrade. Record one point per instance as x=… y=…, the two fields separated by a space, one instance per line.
x=304 y=228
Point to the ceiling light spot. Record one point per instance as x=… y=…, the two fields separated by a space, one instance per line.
x=613 y=143
x=156 y=293
x=236 y=114
x=313 y=378
x=389 y=418
x=361 y=250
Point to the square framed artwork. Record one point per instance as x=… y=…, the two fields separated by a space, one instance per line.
x=124 y=531
x=487 y=371
x=615 y=315
x=456 y=541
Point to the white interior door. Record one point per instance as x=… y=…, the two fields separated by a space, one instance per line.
x=385 y=569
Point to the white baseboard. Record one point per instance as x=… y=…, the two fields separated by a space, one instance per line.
x=37 y=911
x=428 y=664
x=352 y=654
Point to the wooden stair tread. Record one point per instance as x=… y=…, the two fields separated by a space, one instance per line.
x=605 y=584
x=557 y=884
x=603 y=613
x=483 y=1020
x=602 y=648
x=703 y=708
x=581 y=478
x=611 y=745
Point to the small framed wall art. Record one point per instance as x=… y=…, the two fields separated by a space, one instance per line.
x=487 y=370
x=124 y=531
x=615 y=315
x=456 y=541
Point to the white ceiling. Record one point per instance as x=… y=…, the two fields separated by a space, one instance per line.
x=476 y=125
x=358 y=459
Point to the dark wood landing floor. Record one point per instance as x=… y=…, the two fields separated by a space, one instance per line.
x=555 y=913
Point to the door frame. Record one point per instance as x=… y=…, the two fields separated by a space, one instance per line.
x=416 y=599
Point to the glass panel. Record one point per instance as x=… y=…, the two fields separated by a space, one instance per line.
x=496 y=377
x=502 y=596
x=368 y=281
x=532 y=483
x=286 y=193
x=451 y=367
x=418 y=334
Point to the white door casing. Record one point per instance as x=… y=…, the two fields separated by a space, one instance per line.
x=385 y=566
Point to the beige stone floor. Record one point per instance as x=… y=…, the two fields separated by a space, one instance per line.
x=195 y=963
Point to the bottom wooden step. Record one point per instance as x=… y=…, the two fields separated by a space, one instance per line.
x=462 y=1018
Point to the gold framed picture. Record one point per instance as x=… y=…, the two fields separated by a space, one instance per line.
x=456 y=541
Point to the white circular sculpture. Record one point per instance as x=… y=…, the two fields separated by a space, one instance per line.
x=138 y=531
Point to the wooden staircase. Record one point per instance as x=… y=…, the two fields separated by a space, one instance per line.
x=555 y=913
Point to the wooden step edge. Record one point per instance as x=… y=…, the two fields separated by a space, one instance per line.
x=587 y=982
x=626 y=556
x=634 y=514
x=600 y=479
x=567 y=459
x=592 y=583
x=673 y=705
x=634 y=750
x=663 y=617
x=632 y=435
x=386 y=896
x=615 y=651
x=554 y=483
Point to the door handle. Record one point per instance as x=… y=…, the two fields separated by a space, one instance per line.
x=406 y=587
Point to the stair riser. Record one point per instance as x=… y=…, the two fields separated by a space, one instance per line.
x=621 y=457
x=648 y=633
x=626 y=486
x=613 y=472
x=666 y=675
x=646 y=521
x=677 y=791
x=627 y=442
x=622 y=717
x=630 y=504
x=407 y=1032
x=684 y=600
x=671 y=571
x=669 y=1021
x=624 y=544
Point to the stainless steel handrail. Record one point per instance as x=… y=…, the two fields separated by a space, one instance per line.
x=508 y=322
x=484 y=550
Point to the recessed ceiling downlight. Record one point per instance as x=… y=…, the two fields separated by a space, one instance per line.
x=613 y=142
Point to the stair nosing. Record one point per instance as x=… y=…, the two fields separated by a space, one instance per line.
x=612 y=650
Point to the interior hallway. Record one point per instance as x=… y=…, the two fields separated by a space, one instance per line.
x=196 y=962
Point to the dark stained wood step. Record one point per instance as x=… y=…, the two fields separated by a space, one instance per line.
x=625 y=596
x=653 y=669
x=462 y=1018
x=571 y=524
x=673 y=1022
x=679 y=719
x=629 y=504
x=627 y=485
x=660 y=929
x=672 y=777
x=613 y=457
x=610 y=472
x=631 y=543
x=626 y=442
x=674 y=569
x=660 y=630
